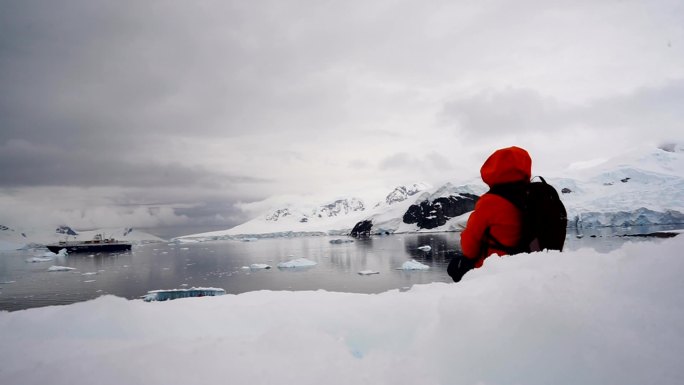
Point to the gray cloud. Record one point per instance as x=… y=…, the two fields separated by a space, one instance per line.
x=193 y=108
x=653 y=113
x=30 y=165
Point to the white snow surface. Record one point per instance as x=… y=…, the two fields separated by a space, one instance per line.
x=639 y=188
x=577 y=317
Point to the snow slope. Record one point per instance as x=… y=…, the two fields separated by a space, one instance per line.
x=577 y=317
x=642 y=187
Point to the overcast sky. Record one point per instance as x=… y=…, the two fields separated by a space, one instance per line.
x=151 y=113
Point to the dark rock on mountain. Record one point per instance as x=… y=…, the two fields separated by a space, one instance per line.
x=428 y=215
x=566 y=190
x=66 y=230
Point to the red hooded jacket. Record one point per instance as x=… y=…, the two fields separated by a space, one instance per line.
x=507 y=165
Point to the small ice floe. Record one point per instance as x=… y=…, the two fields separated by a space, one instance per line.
x=259 y=266
x=60 y=253
x=339 y=241
x=60 y=268
x=39 y=259
x=166 y=295
x=7 y=282
x=90 y=273
x=368 y=272
x=245 y=267
x=185 y=248
x=413 y=265
x=89 y=281
x=297 y=262
x=425 y=248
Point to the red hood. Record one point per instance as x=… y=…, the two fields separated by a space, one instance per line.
x=512 y=164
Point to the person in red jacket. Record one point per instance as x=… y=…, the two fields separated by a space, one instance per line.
x=495 y=224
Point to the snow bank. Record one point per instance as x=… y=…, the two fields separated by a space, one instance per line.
x=546 y=318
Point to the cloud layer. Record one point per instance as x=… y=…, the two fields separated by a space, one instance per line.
x=206 y=105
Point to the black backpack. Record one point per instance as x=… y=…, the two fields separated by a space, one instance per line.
x=544 y=219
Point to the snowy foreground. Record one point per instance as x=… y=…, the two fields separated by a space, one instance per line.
x=546 y=318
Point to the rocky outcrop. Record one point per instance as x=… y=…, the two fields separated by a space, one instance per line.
x=362 y=229
x=339 y=207
x=402 y=193
x=430 y=214
x=280 y=213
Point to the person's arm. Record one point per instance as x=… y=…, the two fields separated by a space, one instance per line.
x=471 y=237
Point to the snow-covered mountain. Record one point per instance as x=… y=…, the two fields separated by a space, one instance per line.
x=402 y=193
x=639 y=188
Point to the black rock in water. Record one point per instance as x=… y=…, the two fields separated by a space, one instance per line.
x=362 y=229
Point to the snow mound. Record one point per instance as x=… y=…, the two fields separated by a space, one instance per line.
x=578 y=317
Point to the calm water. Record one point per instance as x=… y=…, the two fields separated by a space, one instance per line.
x=221 y=264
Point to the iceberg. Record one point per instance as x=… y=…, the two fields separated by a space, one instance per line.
x=60 y=268
x=167 y=295
x=39 y=259
x=298 y=262
x=259 y=266
x=413 y=265
x=340 y=241
x=368 y=272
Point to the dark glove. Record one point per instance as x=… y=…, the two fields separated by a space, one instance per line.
x=459 y=265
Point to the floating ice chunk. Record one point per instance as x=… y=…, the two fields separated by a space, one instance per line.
x=425 y=248
x=90 y=273
x=60 y=268
x=165 y=295
x=339 y=241
x=39 y=259
x=368 y=272
x=185 y=248
x=257 y=266
x=245 y=267
x=89 y=281
x=413 y=265
x=297 y=262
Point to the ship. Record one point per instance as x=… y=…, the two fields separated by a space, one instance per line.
x=99 y=243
